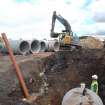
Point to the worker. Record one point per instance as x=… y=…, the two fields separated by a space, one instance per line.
x=94 y=84
x=83 y=87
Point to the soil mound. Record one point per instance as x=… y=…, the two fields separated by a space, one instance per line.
x=91 y=43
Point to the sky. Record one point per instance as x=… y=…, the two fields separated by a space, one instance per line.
x=28 y=19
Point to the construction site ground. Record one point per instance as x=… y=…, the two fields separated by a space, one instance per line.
x=63 y=71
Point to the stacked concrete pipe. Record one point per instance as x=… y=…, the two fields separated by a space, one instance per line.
x=44 y=45
x=35 y=46
x=76 y=97
x=18 y=47
x=1 y=45
x=53 y=45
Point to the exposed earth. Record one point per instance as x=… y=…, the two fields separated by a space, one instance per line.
x=62 y=70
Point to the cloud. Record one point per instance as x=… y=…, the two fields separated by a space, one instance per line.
x=93 y=29
x=32 y=18
x=22 y=20
x=25 y=17
x=100 y=30
x=98 y=10
x=79 y=3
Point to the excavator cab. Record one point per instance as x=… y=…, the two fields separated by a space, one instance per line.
x=67 y=39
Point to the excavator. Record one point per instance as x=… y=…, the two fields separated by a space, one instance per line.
x=67 y=39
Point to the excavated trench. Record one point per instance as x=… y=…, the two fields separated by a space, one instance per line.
x=62 y=72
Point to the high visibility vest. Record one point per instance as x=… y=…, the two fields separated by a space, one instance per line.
x=94 y=86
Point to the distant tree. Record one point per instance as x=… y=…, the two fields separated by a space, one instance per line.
x=83 y=37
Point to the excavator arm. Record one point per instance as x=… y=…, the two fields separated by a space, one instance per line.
x=63 y=21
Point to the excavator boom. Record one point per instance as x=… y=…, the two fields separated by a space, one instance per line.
x=63 y=21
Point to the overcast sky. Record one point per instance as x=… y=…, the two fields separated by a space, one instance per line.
x=29 y=19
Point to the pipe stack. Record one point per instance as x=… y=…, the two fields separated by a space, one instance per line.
x=35 y=46
x=45 y=45
x=18 y=47
x=53 y=45
x=31 y=46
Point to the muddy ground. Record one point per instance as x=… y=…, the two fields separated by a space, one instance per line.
x=62 y=72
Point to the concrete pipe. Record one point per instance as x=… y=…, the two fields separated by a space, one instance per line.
x=35 y=46
x=44 y=45
x=75 y=97
x=1 y=45
x=18 y=47
x=53 y=45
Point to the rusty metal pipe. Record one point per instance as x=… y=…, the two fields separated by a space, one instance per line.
x=18 y=71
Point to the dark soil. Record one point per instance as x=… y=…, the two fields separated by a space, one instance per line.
x=63 y=71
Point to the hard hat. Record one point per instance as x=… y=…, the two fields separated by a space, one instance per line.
x=94 y=77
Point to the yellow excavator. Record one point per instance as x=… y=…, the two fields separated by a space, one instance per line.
x=67 y=39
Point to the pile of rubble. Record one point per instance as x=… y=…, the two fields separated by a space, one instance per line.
x=91 y=43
